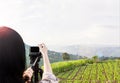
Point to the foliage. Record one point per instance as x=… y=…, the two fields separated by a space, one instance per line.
x=67 y=65
x=66 y=56
x=104 y=72
x=95 y=58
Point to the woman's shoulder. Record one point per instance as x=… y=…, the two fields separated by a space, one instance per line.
x=49 y=78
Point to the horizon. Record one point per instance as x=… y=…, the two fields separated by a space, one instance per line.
x=57 y=48
x=60 y=47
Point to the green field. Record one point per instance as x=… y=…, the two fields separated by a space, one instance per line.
x=81 y=71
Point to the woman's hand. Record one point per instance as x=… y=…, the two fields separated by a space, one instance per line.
x=46 y=62
x=27 y=75
x=43 y=49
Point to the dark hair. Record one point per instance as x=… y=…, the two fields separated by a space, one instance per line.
x=12 y=56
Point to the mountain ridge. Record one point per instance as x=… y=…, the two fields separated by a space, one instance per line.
x=91 y=50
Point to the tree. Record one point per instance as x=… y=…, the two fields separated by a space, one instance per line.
x=66 y=56
x=85 y=57
x=95 y=58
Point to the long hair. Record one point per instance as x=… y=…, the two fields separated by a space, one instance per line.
x=12 y=56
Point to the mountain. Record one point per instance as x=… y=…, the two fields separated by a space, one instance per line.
x=79 y=51
x=53 y=56
x=89 y=50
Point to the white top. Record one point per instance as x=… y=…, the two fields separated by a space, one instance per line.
x=49 y=78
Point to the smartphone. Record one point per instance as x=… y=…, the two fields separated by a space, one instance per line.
x=34 y=49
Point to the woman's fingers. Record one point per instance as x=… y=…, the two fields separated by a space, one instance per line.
x=28 y=73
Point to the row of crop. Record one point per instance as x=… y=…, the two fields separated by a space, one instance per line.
x=98 y=72
x=112 y=70
x=104 y=71
x=67 y=65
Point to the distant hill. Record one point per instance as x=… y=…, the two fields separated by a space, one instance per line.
x=53 y=56
x=79 y=51
x=89 y=51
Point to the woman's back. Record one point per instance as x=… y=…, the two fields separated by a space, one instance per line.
x=12 y=56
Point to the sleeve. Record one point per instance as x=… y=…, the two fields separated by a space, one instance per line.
x=49 y=78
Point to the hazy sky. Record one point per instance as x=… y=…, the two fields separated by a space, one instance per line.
x=63 y=22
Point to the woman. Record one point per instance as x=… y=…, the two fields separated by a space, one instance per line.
x=48 y=76
x=12 y=56
x=12 y=59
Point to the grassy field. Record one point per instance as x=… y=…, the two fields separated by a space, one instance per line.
x=81 y=71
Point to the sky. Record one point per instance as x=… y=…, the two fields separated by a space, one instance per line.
x=63 y=22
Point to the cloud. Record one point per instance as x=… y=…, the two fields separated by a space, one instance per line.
x=63 y=21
